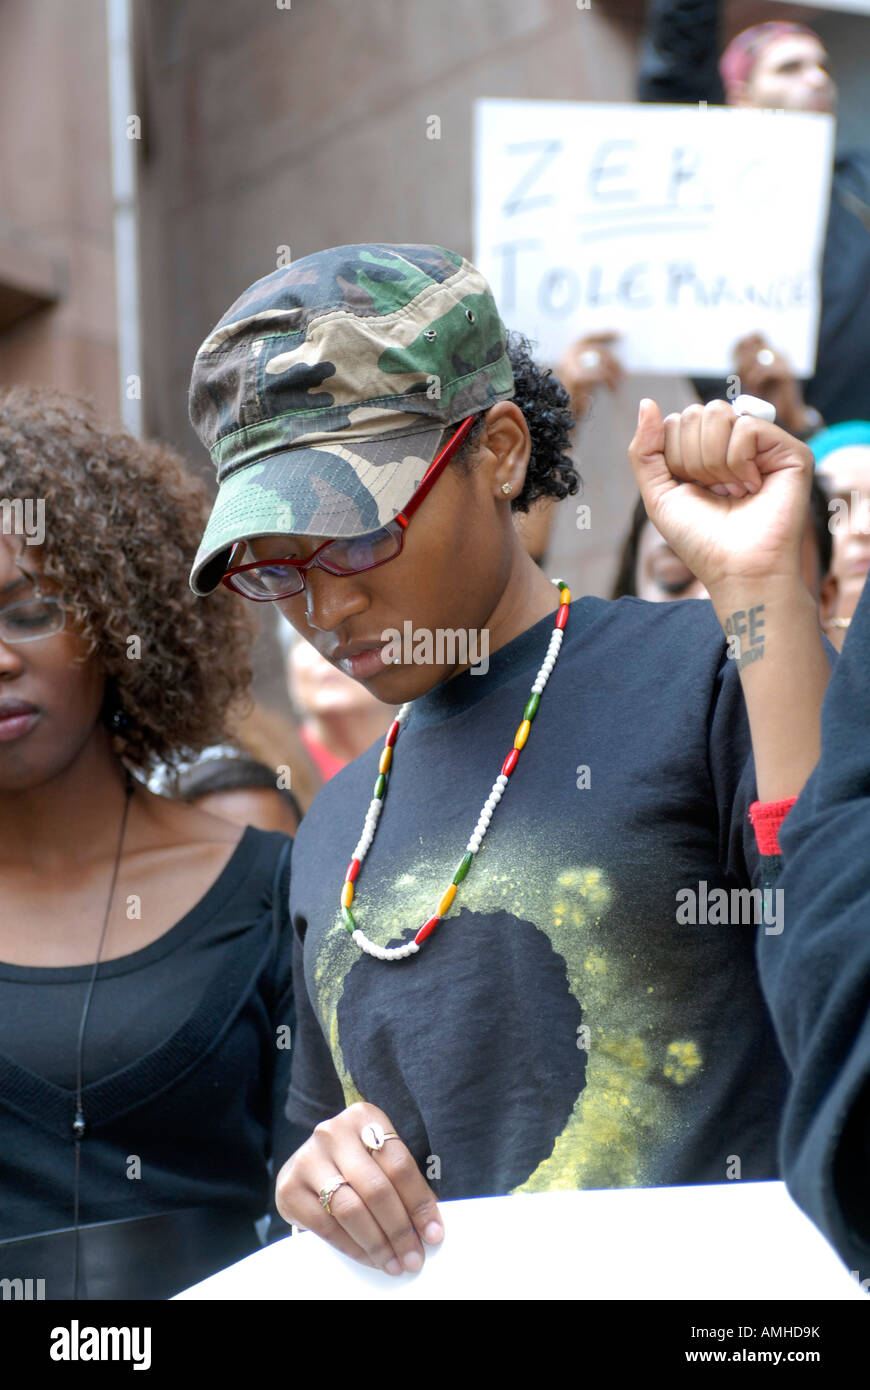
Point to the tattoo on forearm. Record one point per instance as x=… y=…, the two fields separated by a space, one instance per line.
x=745 y=635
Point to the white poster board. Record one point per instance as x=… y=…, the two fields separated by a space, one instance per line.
x=681 y=228
x=736 y=1240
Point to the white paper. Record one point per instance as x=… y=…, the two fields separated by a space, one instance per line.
x=731 y=1241
x=681 y=228
x=852 y=6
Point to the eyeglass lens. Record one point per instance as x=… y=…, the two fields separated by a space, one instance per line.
x=346 y=555
x=31 y=619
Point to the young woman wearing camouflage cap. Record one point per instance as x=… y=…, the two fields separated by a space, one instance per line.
x=498 y=988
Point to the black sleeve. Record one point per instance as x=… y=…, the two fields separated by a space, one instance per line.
x=285 y=1137
x=732 y=770
x=315 y=1093
x=680 y=53
x=816 y=976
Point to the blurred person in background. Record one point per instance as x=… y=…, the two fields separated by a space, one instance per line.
x=781 y=66
x=145 y=964
x=651 y=570
x=842 y=455
x=338 y=718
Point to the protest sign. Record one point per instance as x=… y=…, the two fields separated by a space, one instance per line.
x=682 y=228
x=628 y=1243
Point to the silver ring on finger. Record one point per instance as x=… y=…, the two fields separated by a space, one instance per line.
x=765 y=358
x=327 y=1193
x=375 y=1137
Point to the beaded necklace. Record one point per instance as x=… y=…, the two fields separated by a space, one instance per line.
x=410 y=948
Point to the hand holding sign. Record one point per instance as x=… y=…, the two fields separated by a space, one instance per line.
x=585 y=366
x=371 y=1203
x=729 y=493
x=764 y=372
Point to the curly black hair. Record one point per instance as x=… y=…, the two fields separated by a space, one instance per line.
x=546 y=405
x=123 y=519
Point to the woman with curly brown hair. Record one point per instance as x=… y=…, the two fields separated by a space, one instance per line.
x=145 y=983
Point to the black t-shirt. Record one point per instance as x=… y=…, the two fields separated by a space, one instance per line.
x=183 y=1064
x=561 y=1028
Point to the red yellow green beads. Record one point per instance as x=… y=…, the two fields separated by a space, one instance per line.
x=385 y=761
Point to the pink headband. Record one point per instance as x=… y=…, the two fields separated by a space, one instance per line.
x=743 y=53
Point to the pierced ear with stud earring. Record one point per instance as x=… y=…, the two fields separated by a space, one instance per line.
x=507 y=488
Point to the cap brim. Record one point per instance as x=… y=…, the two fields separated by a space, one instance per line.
x=332 y=489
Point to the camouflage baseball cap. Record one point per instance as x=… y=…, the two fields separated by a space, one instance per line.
x=323 y=393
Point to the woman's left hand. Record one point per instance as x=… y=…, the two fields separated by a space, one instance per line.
x=728 y=492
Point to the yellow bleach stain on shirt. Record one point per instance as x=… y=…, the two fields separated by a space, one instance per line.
x=617 y=1111
x=684 y=1062
x=619 y=1118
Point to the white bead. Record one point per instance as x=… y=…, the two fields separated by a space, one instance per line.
x=501 y=780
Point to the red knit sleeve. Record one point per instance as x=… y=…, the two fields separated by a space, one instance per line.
x=766 y=818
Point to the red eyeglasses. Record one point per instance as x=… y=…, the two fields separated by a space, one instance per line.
x=264 y=581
